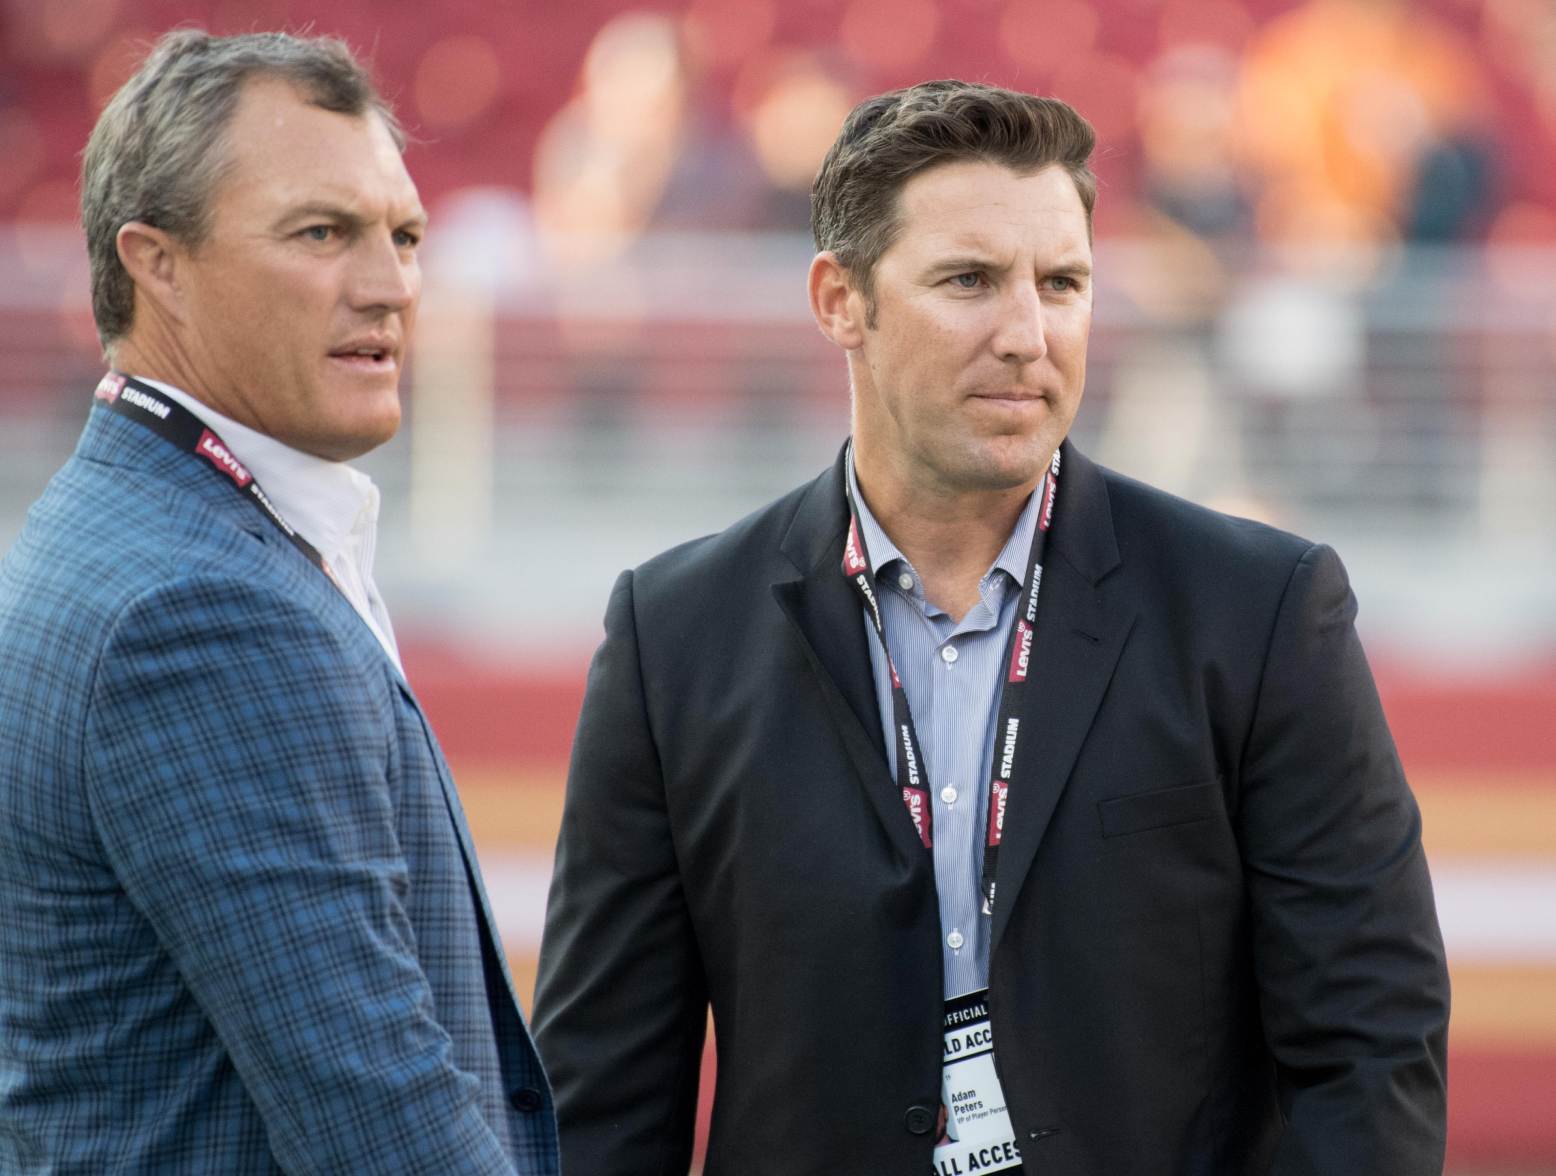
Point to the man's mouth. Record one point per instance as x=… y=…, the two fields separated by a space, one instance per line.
x=368 y=356
x=1010 y=396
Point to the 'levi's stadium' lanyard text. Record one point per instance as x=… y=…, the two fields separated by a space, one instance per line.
x=912 y=778
x=170 y=420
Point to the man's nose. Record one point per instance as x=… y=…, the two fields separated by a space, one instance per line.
x=1021 y=336
x=383 y=275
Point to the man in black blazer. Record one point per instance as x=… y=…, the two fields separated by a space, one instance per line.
x=1006 y=812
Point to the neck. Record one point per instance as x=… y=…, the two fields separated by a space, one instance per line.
x=143 y=353
x=157 y=347
x=950 y=537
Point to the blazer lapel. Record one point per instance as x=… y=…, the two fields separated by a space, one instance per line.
x=456 y=814
x=825 y=614
x=110 y=439
x=1082 y=624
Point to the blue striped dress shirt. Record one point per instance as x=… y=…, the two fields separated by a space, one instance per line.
x=952 y=673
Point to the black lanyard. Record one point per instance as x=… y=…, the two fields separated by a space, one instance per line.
x=167 y=418
x=912 y=778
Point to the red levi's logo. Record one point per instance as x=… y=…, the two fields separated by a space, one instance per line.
x=1000 y=792
x=216 y=453
x=1021 y=652
x=853 y=562
x=109 y=387
x=1050 y=486
x=917 y=801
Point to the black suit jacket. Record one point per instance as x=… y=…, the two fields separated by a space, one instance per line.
x=1214 y=950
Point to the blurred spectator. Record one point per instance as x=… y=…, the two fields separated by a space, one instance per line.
x=602 y=163
x=1188 y=112
x=790 y=105
x=1450 y=196
x=1354 y=113
x=647 y=143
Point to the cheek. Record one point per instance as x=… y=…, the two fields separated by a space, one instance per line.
x=1069 y=339
x=248 y=313
x=274 y=329
x=944 y=340
x=951 y=318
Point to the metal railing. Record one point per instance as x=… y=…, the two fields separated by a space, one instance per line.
x=564 y=422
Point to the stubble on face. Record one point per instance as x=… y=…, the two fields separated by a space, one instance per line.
x=975 y=366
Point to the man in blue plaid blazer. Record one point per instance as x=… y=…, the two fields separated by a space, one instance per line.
x=242 y=929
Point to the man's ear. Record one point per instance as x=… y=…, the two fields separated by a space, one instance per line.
x=838 y=307
x=151 y=257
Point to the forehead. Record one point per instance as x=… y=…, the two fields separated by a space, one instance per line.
x=977 y=205
x=282 y=148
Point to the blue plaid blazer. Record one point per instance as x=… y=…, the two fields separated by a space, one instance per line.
x=241 y=925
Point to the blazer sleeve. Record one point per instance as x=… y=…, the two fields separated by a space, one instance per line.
x=1349 y=959
x=237 y=773
x=621 y=1001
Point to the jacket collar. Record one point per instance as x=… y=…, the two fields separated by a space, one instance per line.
x=1084 y=618
x=1083 y=525
x=111 y=440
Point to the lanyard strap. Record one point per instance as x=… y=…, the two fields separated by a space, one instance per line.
x=912 y=774
x=170 y=420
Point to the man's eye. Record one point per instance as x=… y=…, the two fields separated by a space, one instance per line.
x=1062 y=282
x=406 y=239
x=319 y=233
x=968 y=281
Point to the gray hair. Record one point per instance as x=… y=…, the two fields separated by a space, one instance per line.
x=159 y=149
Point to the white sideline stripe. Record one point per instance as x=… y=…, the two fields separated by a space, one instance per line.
x=1497 y=911
x=1492 y=911
x=516 y=886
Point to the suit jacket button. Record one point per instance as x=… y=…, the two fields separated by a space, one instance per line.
x=919 y=1120
x=526 y=1099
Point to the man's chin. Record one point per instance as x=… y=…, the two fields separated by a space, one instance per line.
x=348 y=444
x=1001 y=469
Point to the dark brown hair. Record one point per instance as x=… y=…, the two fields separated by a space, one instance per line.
x=889 y=139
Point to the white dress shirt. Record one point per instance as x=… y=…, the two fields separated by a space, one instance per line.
x=330 y=504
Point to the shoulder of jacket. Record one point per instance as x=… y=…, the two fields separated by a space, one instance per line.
x=123 y=535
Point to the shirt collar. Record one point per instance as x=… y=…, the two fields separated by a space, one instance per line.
x=322 y=499
x=1011 y=560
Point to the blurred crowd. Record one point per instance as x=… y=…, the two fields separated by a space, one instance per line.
x=1359 y=122
x=1329 y=221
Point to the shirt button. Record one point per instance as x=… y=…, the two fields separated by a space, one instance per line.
x=905 y=582
x=954 y=941
x=948 y=654
x=948 y=794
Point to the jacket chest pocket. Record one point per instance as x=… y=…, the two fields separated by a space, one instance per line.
x=1160 y=808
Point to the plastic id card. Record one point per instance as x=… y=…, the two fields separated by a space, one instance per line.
x=975 y=1132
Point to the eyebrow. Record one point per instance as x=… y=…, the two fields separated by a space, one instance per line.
x=339 y=212
x=961 y=264
x=972 y=261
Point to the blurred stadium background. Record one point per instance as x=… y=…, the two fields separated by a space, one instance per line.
x=1326 y=297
